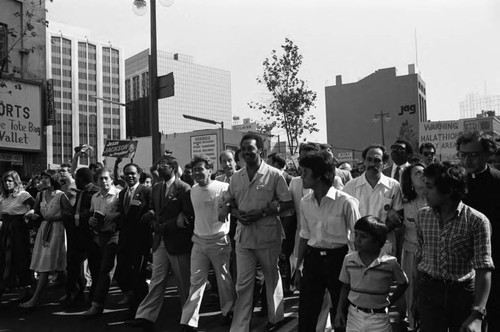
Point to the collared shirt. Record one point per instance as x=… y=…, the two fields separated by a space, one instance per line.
x=376 y=201
x=207 y=202
x=452 y=249
x=370 y=285
x=107 y=203
x=329 y=225
x=266 y=186
x=169 y=182
x=401 y=169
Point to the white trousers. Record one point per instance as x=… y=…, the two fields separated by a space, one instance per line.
x=151 y=305
x=246 y=260
x=201 y=257
x=360 y=321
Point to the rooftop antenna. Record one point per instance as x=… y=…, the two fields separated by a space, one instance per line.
x=416 y=48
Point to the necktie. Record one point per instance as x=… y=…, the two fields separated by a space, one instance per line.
x=126 y=201
x=396 y=174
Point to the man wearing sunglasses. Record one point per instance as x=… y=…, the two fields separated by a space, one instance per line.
x=401 y=152
x=474 y=151
x=427 y=152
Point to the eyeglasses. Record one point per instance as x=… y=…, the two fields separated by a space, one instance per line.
x=429 y=154
x=398 y=148
x=472 y=155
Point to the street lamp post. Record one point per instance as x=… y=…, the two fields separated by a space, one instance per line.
x=195 y=118
x=140 y=9
x=382 y=117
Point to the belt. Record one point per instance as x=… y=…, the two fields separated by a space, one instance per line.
x=370 y=311
x=428 y=277
x=324 y=251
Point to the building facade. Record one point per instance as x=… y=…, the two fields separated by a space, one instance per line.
x=200 y=91
x=377 y=109
x=88 y=83
x=22 y=86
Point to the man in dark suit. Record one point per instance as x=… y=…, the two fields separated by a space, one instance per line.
x=78 y=237
x=134 y=242
x=172 y=218
x=401 y=152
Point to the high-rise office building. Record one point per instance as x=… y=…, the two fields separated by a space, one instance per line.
x=200 y=91
x=377 y=109
x=88 y=78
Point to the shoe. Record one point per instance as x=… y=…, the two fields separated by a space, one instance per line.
x=227 y=319
x=271 y=327
x=26 y=307
x=187 y=328
x=93 y=312
x=140 y=323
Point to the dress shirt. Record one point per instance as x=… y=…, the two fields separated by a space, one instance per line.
x=376 y=201
x=266 y=186
x=452 y=249
x=370 y=285
x=329 y=225
x=401 y=169
x=107 y=203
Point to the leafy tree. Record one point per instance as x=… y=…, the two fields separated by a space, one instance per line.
x=290 y=100
x=32 y=19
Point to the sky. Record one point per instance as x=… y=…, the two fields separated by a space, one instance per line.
x=456 y=42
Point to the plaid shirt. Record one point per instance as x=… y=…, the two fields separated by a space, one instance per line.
x=451 y=250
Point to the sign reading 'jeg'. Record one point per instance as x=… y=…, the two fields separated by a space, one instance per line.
x=20 y=116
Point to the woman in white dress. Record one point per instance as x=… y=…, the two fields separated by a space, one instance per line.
x=49 y=252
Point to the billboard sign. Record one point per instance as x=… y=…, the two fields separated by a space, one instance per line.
x=20 y=116
x=345 y=156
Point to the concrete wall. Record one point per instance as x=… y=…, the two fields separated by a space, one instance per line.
x=350 y=109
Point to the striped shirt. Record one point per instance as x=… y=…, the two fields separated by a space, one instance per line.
x=451 y=250
x=370 y=285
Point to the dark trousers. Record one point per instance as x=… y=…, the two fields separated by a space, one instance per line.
x=75 y=255
x=130 y=275
x=101 y=258
x=443 y=305
x=321 y=271
x=289 y=227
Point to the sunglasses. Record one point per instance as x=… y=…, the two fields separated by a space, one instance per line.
x=429 y=154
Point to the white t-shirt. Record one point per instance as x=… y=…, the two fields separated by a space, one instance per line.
x=206 y=201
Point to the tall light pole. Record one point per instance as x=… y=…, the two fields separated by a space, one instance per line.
x=381 y=116
x=195 y=118
x=140 y=9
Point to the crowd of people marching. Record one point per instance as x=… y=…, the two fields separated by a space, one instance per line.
x=415 y=235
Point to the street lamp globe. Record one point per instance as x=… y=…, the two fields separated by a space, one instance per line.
x=387 y=117
x=140 y=7
x=166 y=3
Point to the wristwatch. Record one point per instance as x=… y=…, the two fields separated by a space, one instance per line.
x=479 y=311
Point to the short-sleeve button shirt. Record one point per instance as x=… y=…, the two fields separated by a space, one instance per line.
x=329 y=225
x=370 y=285
x=267 y=185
